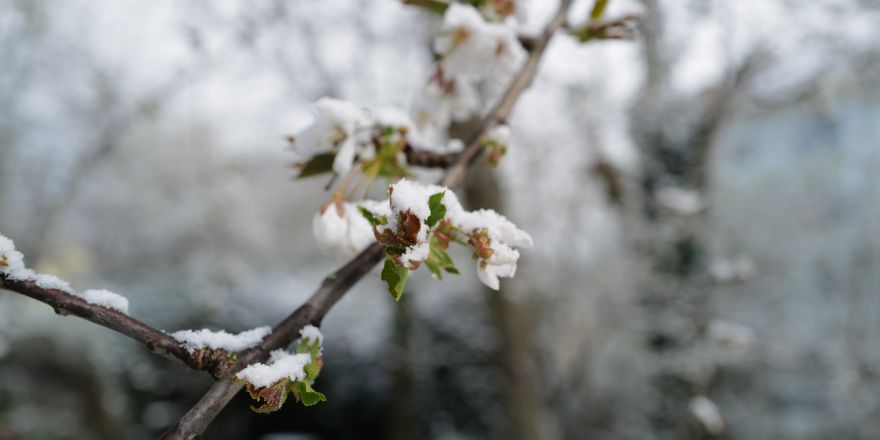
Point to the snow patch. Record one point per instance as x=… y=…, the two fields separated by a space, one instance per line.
x=106 y=298
x=221 y=340
x=281 y=365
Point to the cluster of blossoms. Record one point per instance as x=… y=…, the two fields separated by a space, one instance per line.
x=474 y=46
x=343 y=134
x=418 y=222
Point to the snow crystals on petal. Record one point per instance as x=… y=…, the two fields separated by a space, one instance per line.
x=415 y=254
x=407 y=195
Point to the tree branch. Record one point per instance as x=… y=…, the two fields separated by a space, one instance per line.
x=332 y=289
x=157 y=341
x=427 y=159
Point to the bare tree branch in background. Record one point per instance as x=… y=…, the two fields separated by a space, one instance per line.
x=108 y=140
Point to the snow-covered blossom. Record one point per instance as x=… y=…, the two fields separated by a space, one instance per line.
x=415 y=254
x=492 y=236
x=194 y=340
x=283 y=364
x=472 y=47
x=344 y=135
x=341 y=230
x=407 y=197
x=106 y=298
x=336 y=129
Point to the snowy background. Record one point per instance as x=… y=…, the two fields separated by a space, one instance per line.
x=705 y=204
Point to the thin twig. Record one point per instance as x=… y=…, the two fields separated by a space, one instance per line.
x=157 y=341
x=197 y=419
x=427 y=159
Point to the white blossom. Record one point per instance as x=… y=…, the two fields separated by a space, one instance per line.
x=340 y=228
x=472 y=47
x=502 y=236
x=337 y=126
x=501 y=264
x=500 y=229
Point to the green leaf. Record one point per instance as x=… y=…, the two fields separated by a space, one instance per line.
x=436 y=6
x=438 y=260
x=395 y=277
x=438 y=209
x=598 y=9
x=375 y=221
x=392 y=170
x=318 y=164
x=307 y=395
x=434 y=268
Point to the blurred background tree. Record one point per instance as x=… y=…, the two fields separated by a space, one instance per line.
x=704 y=205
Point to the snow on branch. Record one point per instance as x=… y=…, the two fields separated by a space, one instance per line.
x=101 y=307
x=195 y=340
